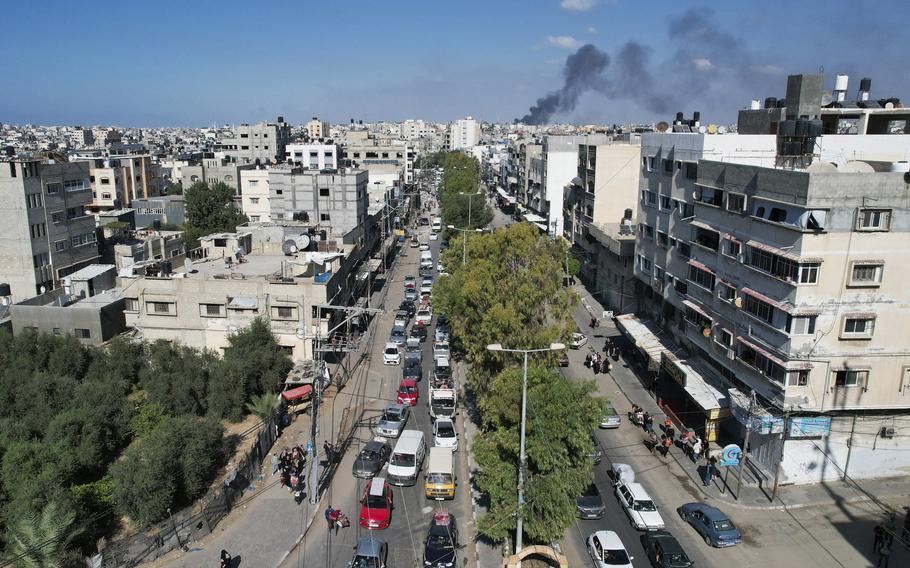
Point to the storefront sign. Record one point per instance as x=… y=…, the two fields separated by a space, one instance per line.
x=608 y=314
x=673 y=369
x=730 y=455
x=809 y=426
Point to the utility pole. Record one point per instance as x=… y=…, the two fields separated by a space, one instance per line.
x=742 y=456
x=780 y=461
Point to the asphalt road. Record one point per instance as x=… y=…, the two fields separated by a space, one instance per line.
x=412 y=512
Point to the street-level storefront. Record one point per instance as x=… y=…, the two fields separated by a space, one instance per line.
x=647 y=341
x=696 y=404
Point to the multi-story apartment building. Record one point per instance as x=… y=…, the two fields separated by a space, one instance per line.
x=599 y=219
x=313 y=156
x=463 y=134
x=213 y=168
x=336 y=201
x=255 y=197
x=318 y=129
x=47 y=233
x=117 y=181
x=773 y=268
x=258 y=143
x=389 y=162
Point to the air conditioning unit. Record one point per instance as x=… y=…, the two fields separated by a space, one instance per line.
x=886 y=432
x=731 y=354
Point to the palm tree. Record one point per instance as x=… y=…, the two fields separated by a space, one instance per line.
x=41 y=540
x=263 y=405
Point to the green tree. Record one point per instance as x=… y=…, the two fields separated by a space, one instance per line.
x=561 y=415
x=264 y=405
x=177 y=377
x=254 y=363
x=41 y=539
x=510 y=292
x=210 y=209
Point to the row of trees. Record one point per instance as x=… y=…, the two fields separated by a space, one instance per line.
x=460 y=179
x=89 y=435
x=511 y=292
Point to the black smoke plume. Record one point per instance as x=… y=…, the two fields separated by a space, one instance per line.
x=708 y=65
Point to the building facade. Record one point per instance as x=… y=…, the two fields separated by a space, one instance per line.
x=318 y=129
x=313 y=156
x=464 y=133
x=47 y=232
x=258 y=143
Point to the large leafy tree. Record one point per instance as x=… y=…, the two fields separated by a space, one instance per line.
x=509 y=292
x=561 y=415
x=210 y=209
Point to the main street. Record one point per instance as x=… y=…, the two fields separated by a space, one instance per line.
x=412 y=512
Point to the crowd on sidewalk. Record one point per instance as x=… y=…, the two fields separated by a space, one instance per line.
x=291 y=463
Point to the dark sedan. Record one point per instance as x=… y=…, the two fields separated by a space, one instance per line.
x=371 y=459
x=412 y=369
x=711 y=523
x=664 y=551
x=589 y=504
x=409 y=306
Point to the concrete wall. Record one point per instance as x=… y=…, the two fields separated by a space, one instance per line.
x=103 y=321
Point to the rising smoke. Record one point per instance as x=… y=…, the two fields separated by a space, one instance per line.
x=705 y=62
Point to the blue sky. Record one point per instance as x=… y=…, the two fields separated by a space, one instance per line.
x=195 y=63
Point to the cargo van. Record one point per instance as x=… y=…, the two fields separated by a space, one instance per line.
x=437 y=225
x=407 y=458
x=439 y=482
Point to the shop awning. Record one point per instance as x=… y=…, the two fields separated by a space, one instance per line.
x=532 y=218
x=297 y=393
x=701 y=266
x=699 y=390
x=644 y=339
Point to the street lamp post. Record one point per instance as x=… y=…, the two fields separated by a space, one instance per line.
x=497 y=347
x=464 y=242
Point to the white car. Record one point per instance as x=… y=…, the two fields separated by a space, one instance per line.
x=426 y=288
x=578 y=340
x=444 y=434
x=434 y=236
x=607 y=550
x=424 y=246
x=391 y=355
x=639 y=507
x=424 y=315
x=621 y=473
x=440 y=268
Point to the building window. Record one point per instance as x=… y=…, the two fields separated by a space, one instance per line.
x=56 y=331
x=691 y=170
x=726 y=292
x=858 y=327
x=75 y=212
x=665 y=203
x=59 y=246
x=105 y=181
x=681 y=286
x=131 y=304
x=283 y=313
x=255 y=218
x=38 y=230
x=161 y=308
x=736 y=202
x=732 y=248
x=211 y=310
x=41 y=259
x=701 y=278
x=798 y=378
x=57 y=217
x=668 y=166
x=323 y=216
x=644 y=264
x=53 y=188
x=663 y=239
x=84 y=239
x=724 y=337
x=34 y=200
x=777 y=266
x=808 y=273
x=873 y=220
x=849 y=378
x=253 y=183
x=323 y=192
x=254 y=201
x=698 y=319
x=684 y=249
x=82 y=333
x=74 y=185
x=866 y=274
x=802 y=325
x=105 y=196
x=757 y=308
x=649 y=198
x=707 y=239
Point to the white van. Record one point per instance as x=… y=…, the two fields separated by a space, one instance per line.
x=407 y=458
x=437 y=225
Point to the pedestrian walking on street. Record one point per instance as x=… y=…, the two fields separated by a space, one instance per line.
x=331 y=515
x=884 y=555
x=879 y=532
x=226 y=559
x=696 y=449
x=275 y=462
x=709 y=475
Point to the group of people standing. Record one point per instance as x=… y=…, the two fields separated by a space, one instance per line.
x=598 y=363
x=291 y=462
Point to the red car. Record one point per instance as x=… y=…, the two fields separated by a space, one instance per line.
x=376 y=505
x=408 y=392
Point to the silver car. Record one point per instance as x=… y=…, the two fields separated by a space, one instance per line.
x=393 y=420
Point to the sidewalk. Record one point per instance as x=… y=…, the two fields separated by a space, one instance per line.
x=753 y=495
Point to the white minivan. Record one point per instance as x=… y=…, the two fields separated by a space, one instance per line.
x=407 y=458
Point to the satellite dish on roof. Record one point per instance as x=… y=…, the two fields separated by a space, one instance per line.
x=702 y=129
x=721 y=129
x=662 y=126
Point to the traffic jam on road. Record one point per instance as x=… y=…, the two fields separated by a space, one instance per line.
x=407 y=506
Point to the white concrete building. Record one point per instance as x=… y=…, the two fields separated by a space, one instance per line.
x=255 y=199
x=464 y=133
x=318 y=129
x=313 y=156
